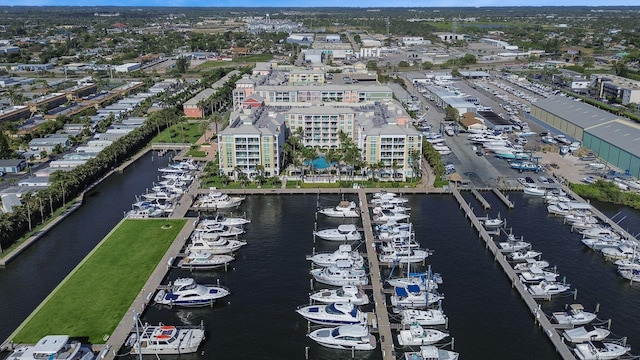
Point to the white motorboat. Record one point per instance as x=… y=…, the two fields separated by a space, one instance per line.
x=215 y=245
x=531 y=263
x=172 y=189
x=186 y=292
x=512 y=245
x=53 y=347
x=622 y=251
x=412 y=297
x=417 y=335
x=535 y=275
x=393 y=225
x=585 y=333
x=431 y=352
x=204 y=260
x=345 y=294
x=546 y=289
x=628 y=264
x=430 y=317
x=599 y=231
x=602 y=242
x=596 y=350
x=534 y=190
x=349 y=337
x=629 y=274
x=391 y=252
x=344 y=232
x=344 y=209
x=389 y=197
x=523 y=255
x=217 y=200
x=381 y=214
x=216 y=230
x=225 y=220
x=565 y=208
x=424 y=282
x=333 y=314
x=394 y=230
x=344 y=255
x=179 y=176
x=396 y=208
x=161 y=195
x=145 y=212
x=574 y=317
x=492 y=223
x=342 y=273
x=167 y=340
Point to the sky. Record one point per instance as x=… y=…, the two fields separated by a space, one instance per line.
x=325 y=3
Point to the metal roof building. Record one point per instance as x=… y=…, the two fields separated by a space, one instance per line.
x=614 y=140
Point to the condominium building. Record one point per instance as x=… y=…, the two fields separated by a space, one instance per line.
x=254 y=137
x=322 y=124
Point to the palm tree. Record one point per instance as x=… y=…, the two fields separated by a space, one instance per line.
x=27 y=204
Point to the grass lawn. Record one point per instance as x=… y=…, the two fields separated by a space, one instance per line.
x=94 y=299
x=180 y=133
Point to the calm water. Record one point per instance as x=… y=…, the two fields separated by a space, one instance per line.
x=270 y=277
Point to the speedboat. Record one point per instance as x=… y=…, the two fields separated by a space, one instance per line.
x=215 y=244
x=345 y=294
x=342 y=273
x=412 y=297
x=545 y=289
x=574 y=317
x=344 y=209
x=333 y=314
x=52 y=347
x=596 y=350
x=225 y=220
x=531 y=263
x=512 y=245
x=344 y=253
x=204 y=260
x=417 y=335
x=186 y=292
x=350 y=337
x=429 y=317
x=217 y=200
x=586 y=333
x=534 y=190
x=216 y=230
x=344 y=232
x=381 y=214
x=167 y=340
x=431 y=352
x=523 y=255
x=492 y=223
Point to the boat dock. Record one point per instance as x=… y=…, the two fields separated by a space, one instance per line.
x=481 y=199
x=539 y=317
x=382 y=316
x=503 y=197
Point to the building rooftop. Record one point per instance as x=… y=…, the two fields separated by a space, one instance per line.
x=575 y=112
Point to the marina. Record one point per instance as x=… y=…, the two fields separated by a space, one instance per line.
x=430 y=232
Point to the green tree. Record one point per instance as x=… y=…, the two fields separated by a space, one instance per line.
x=451 y=114
x=182 y=65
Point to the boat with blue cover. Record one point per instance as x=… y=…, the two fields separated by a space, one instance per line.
x=187 y=292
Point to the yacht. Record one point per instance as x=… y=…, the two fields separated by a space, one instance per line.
x=412 y=297
x=599 y=231
x=417 y=335
x=225 y=220
x=349 y=337
x=186 y=292
x=344 y=209
x=166 y=340
x=53 y=347
x=574 y=317
x=342 y=273
x=345 y=294
x=215 y=245
x=389 y=197
x=602 y=243
x=492 y=223
x=343 y=254
x=381 y=214
x=536 y=275
x=512 y=245
x=596 y=350
x=333 y=314
x=531 y=263
x=429 y=317
x=344 y=232
x=217 y=200
x=586 y=333
x=523 y=255
x=622 y=251
x=629 y=274
x=393 y=252
x=204 y=260
x=214 y=230
x=431 y=352
x=546 y=289
x=534 y=190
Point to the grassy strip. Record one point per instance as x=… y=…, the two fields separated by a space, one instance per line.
x=180 y=133
x=94 y=298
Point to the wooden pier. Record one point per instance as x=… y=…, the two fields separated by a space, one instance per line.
x=382 y=316
x=483 y=201
x=538 y=315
